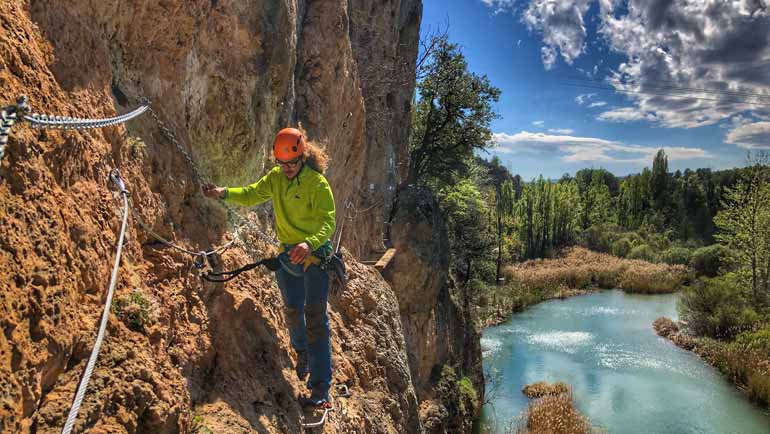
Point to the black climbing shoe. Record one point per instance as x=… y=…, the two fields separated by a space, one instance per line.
x=314 y=401
x=302 y=365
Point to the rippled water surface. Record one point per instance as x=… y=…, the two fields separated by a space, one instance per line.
x=624 y=377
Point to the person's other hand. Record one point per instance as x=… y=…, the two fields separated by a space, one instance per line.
x=211 y=190
x=299 y=253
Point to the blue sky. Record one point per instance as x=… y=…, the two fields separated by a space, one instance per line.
x=709 y=59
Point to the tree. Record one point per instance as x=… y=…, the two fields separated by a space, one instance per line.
x=450 y=118
x=469 y=235
x=505 y=196
x=659 y=184
x=744 y=224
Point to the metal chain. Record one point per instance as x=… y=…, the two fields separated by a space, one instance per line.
x=14 y=113
x=231 y=212
x=37 y=120
x=179 y=146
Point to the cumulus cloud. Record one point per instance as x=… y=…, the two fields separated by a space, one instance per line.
x=561 y=130
x=687 y=63
x=562 y=27
x=754 y=135
x=587 y=149
x=538 y=123
x=597 y=104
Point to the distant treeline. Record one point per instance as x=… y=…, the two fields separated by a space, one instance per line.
x=548 y=214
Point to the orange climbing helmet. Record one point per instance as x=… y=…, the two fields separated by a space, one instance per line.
x=289 y=144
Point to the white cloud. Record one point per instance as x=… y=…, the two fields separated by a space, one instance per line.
x=626 y=114
x=688 y=63
x=582 y=99
x=587 y=149
x=499 y=5
x=561 y=130
x=597 y=104
x=750 y=135
x=538 y=123
x=561 y=24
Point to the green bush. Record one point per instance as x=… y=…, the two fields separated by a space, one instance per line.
x=675 y=256
x=717 y=308
x=621 y=247
x=642 y=251
x=135 y=310
x=710 y=260
x=758 y=340
x=597 y=238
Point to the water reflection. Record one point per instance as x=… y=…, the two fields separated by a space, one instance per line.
x=624 y=377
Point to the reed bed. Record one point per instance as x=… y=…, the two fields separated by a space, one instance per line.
x=552 y=411
x=582 y=269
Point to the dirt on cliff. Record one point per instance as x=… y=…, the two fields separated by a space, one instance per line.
x=198 y=355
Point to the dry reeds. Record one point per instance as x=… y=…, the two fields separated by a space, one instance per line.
x=580 y=268
x=553 y=412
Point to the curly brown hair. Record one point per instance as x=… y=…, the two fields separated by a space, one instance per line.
x=315 y=154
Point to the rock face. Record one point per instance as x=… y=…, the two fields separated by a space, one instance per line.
x=438 y=333
x=181 y=355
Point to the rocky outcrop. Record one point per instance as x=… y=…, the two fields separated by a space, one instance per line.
x=223 y=75
x=439 y=334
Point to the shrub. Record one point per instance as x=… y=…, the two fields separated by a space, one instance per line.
x=642 y=251
x=598 y=238
x=758 y=340
x=621 y=247
x=135 y=310
x=675 y=256
x=709 y=260
x=717 y=308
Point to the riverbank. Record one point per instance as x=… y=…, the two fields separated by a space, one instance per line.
x=742 y=362
x=602 y=345
x=577 y=271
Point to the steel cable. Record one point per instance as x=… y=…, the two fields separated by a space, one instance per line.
x=81 y=391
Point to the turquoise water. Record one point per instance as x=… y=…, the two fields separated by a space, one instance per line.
x=626 y=379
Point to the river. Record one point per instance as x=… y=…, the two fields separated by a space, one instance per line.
x=625 y=378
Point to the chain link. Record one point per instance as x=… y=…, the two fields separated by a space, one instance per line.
x=38 y=120
x=11 y=114
x=179 y=146
x=236 y=219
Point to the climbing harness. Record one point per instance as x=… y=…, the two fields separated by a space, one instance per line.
x=16 y=113
x=271 y=264
x=117 y=181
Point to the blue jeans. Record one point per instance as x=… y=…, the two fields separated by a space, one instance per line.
x=304 y=296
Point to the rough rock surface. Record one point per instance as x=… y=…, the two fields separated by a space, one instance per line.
x=224 y=75
x=437 y=331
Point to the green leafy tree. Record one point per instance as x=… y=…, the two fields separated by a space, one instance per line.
x=660 y=185
x=744 y=224
x=450 y=118
x=506 y=194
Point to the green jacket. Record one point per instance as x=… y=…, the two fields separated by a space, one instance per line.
x=303 y=205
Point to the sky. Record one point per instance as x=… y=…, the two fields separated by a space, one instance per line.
x=606 y=83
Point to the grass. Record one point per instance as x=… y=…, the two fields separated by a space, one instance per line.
x=577 y=271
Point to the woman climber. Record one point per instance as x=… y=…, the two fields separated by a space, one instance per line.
x=303 y=206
